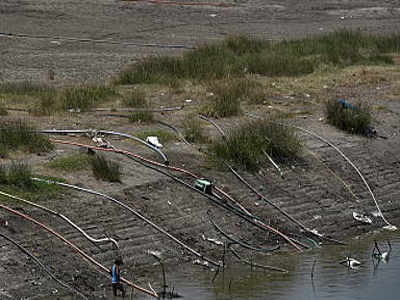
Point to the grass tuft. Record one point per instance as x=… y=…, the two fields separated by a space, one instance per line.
x=245 y=145
x=135 y=98
x=19 y=135
x=85 y=97
x=75 y=162
x=353 y=119
x=144 y=116
x=226 y=100
x=193 y=130
x=104 y=169
x=19 y=174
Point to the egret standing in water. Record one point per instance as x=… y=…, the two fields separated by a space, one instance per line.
x=350 y=263
x=381 y=256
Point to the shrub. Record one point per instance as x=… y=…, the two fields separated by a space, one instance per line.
x=104 y=169
x=145 y=116
x=18 y=134
x=193 y=130
x=245 y=145
x=85 y=97
x=353 y=119
x=135 y=98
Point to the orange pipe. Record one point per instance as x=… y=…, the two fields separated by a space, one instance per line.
x=115 y=150
x=76 y=249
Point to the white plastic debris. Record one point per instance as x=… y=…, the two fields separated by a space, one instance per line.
x=362 y=218
x=100 y=142
x=390 y=227
x=77 y=110
x=201 y=263
x=316 y=232
x=211 y=240
x=210 y=94
x=153 y=140
x=376 y=214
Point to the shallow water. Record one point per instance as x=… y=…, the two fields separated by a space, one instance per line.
x=331 y=279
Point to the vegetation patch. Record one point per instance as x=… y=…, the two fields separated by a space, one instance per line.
x=355 y=119
x=15 y=179
x=193 y=130
x=75 y=162
x=17 y=174
x=24 y=88
x=82 y=98
x=226 y=100
x=3 y=110
x=104 y=169
x=144 y=116
x=19 y=135
x=240 y=55
x=135 y=98
x=246 y=146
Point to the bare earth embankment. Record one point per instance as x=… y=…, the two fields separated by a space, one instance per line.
x=319 y=188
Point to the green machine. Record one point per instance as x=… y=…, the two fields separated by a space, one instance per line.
x=203 y=185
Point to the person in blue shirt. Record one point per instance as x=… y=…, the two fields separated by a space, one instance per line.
x=116 y=282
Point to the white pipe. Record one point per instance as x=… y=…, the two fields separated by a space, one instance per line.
x=62 y=217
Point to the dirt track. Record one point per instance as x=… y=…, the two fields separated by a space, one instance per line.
x=309 y=191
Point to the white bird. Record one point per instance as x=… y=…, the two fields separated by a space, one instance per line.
x=351 y=262
x=382 y=256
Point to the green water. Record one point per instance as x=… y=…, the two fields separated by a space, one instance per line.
x=331 y=279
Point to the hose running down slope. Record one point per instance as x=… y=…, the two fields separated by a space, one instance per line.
x=91 y=239
x=244 y=212
x=85 y=256
x=38 y=262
